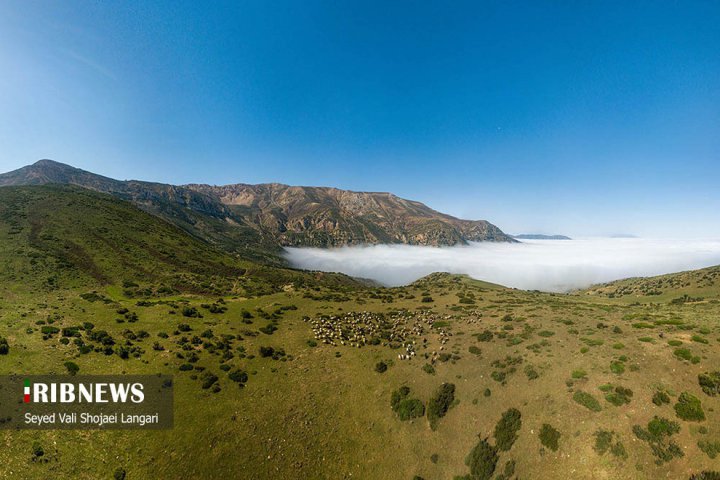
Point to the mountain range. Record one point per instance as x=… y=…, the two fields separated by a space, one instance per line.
x=255 y=221
x=540 y=236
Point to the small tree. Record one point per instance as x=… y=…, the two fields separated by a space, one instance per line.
x=72 y=367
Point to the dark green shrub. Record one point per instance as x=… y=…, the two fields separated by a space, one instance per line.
x=208 y=379
x=266 y=351
x=507 y=428
x=190 y=312
x=429 y=369
x=119 y=474
x=440 y=403
x=709 y=382
x=72 y=367
x=587 y=400
x=381 y=367
x=4 y=346
x=660 y=398
x=482 y=461
x=549 y=437
x=686 y=354
x=620 y=396
x=410 y=408
x=399 y=395
x=608 y=441
x=37 y=450
x=689 y=408
x=238 y=376
x=706 y=475
x=485 y=336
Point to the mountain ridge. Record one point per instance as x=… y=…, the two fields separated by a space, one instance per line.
x=257 y=220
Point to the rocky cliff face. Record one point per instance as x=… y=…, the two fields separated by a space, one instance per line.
x=327 y=217
x=252 y=219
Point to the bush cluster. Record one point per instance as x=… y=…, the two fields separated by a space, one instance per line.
x=587 y=400
x=506 y=429
x=406 y=408
x=709 y=382
x=657 y=435
x=689 y=408
x=440 y=403
x=549 y=437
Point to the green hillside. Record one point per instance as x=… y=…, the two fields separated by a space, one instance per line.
x=280 y=373
x=59 y=237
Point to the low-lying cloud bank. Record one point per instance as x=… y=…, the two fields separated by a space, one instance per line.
x=547 y=265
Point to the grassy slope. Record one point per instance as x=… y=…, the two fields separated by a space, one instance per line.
x=323 y=412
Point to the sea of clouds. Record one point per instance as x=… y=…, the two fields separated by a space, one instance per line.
x=548 y=265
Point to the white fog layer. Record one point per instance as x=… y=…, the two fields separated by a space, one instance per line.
x=549 y=265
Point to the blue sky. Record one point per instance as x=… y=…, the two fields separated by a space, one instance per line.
x=582 y=118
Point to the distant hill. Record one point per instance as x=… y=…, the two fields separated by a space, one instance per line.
x=539 y=236
x=254 y=221
x=683 y=287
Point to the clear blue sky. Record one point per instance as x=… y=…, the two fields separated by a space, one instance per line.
x=572 y=117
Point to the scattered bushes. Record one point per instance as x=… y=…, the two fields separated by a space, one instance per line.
x=688 y=408
x=620 y=396
x=531 y=373
x=587 y=400
x=440 y=403
x=4 y=346
x=686 y=354
x=549 y=437
x=507 y=428
x=658 y=433
x=606 y=440
x=711 y=449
